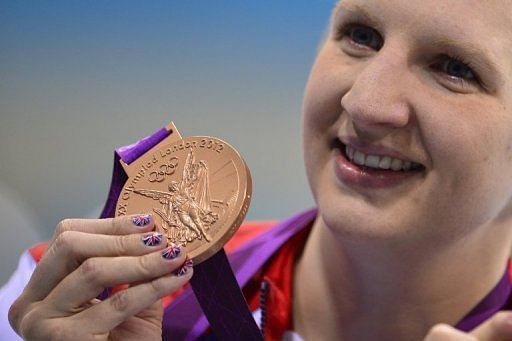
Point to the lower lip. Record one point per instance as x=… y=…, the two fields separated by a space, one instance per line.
x=351 y=174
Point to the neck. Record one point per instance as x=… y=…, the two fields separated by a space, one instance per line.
x=367 y=290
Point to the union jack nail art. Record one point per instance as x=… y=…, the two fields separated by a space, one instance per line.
x=185 y=267
x=171 y=252
x=141 y=220
x=152 y=239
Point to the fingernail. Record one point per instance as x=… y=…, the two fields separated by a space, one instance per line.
x=141 y=220
x=152 y=239
x=185 y=268
x=171 y=252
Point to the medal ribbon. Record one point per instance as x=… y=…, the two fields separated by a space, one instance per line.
x=214 y=283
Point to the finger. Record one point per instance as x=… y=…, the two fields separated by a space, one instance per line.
x=152 y=314
x=72 y=248
x=110 y=226
x=498 y=327
x=444 y=332
x=97 y=273
x=106 y=315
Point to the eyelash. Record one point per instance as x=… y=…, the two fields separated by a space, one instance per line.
x=460 y=81
x=345 y=32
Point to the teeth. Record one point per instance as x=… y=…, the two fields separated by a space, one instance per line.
x=349 y=152
x=385 y=162
x=359 y=158
x=372 y=161
x=396 y=164
x=382 y=162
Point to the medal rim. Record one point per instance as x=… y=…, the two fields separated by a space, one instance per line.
x=241 y=206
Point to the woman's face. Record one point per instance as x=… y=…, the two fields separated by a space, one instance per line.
x=423 y=81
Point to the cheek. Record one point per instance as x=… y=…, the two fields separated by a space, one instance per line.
x=468 y=151
x=321 y=117
x=459 y=132
x=328 y=82
x=322 y=104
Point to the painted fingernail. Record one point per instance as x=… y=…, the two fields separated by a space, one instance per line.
x=184 y=269
x=141 y=220
x=152 y=239
x=171 y=252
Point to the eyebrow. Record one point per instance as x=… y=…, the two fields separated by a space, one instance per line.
x=475 y=54
x=357 y=12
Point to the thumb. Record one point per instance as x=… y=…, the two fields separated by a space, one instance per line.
x=444 y=332
x=498 y=327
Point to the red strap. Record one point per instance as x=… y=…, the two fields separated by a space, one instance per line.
x=279 y=275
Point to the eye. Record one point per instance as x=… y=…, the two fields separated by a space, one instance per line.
x=456 y=68
x=360 y=40
x=457 y=74
x=363 y=36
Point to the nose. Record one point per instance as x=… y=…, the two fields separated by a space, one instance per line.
x=377 y=100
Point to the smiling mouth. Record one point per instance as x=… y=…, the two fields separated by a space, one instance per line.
x=376 y=163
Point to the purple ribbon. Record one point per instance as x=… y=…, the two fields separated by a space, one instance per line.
x=214 y=282
x=128 y=154
x=496 y=300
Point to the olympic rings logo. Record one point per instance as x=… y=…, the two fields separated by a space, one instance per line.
x=164 y=170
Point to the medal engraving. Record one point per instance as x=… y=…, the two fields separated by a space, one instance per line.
x=198 y=189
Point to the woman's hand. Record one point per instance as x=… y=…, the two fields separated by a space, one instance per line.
x=83 y=258
x=498 y=327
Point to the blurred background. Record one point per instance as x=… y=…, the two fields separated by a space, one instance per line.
x=78 y=78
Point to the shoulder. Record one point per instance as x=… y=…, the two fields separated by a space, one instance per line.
x=247 y=232
x=37 y=251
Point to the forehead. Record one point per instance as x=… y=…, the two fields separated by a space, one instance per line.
x=456 y=11
x=486 y=24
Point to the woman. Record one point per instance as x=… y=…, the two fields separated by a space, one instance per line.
x=401 y=247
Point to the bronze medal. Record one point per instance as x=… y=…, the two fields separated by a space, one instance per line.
x=197 y=188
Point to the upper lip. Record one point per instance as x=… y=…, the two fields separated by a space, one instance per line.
x=374 y=149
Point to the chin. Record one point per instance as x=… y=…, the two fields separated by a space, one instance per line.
x=365 y=212
x=350 y=222
x=353 y=216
